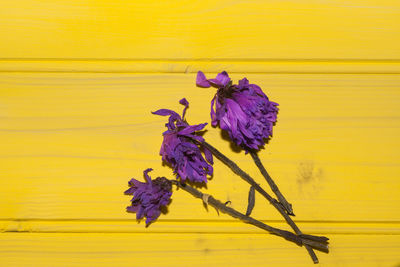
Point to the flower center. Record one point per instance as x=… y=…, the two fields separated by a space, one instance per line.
x=163 y=182
x=226 y=91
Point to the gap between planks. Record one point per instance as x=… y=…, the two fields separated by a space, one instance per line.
x=75 y=225
x=140 y=65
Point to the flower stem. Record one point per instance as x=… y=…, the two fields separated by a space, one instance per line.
x=300 y=240
x=282 y=200
x=235 y=168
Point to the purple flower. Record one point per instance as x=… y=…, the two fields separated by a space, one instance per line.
x=149 y=197
x=180 y=147
x=243 y=110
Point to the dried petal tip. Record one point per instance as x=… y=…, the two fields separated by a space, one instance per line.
x=180 y=149
x=201 y=80
x=221 y=80
x=184 y=102
x=243 y=110
x=149 y=197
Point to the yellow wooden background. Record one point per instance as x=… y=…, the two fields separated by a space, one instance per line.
x=78 y=80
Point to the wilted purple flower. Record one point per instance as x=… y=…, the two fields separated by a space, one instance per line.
x=180 y=150
x=243 y=110
x=149 y=197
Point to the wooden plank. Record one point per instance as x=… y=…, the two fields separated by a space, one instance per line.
x=70 y=142
x=190 y=250
x=351 y=29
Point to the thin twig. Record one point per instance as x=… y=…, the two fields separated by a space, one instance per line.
x=286 y=205
x=299 y=240
x=273 y=201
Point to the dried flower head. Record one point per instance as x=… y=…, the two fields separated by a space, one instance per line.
x=243 y=110
x=180 y=149
x=149 y=197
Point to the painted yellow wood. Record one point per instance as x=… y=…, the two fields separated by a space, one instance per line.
x=259 y=29
x=78 y=80
x=70 y=142
x=189 y=250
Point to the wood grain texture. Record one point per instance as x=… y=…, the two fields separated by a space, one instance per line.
x=78 y=138
x=78 y=80
x=71 y=141
x=257 y=29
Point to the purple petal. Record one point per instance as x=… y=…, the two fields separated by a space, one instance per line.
x=243 y=83
x=134 y=183
x=184 y=102
x=235 y=111
x=212 y=113
x=221 y=80
x=273 y=103
x=232 y=115
x=130 y=191
x=208 y=155
x=192 y=128
x=165 y=112
x=196 y=137
x=201 y=80
x=148 y=178
x=170 y=125
x=210 y=169
x=173 y=116
x=246 y=132
x=140 y=213
x=152 y=215
x=133 y=209
x=257 y=89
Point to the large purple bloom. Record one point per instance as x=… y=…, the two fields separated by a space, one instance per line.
x=149 y=197
x=180 y=149
x=243 y=110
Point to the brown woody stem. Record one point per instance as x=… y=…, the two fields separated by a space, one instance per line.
x=298 y=239
x=282 y=200
x=235 y=168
